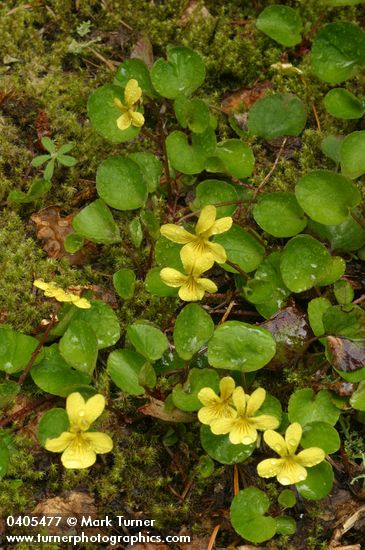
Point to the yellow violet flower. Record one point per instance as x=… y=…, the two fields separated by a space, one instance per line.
x=78 y=446
x=192 y=285
x=198 y=245
x=130 y=116
x=51 y=290
x=242 y=428
x=215 y=406
x=290 y=468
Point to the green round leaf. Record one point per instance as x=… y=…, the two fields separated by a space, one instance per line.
x=124 y=281
x=95 y=223
x=205 y=466
x=341 y=103
x=248 y=518
x=279 y=214
x=193 y=328
x=305 y=407
x=124 y=367
x=304 y=263
x=316 y=309
x=182 y=73
x=15 y=350
x=326 y=196
x=215 y=192
x=137 y=69
x=237 y=157
x=156 y=286
x=241 y=248
x=353 y=155
x=338 y=51
x=136 y=232
x=318 y=483
x=287 y=499
x=277 y=115
x=344 y=292
x=53 y=375
x=190 y=159
x=347 y=236
x=104 y=322
x=331 y=147
x=104 y=114
x=348 y=322
x=73 y=243
x=322 y=435
x=167 y=253
x=79 y=347
x=240 y=346
x=285 y=525
x=148 y=340
x=267 y=290
x=185 y=396
x=8 y=391
x=52 y=424
x=192 y=113
x=221 y=449
x=151 y=223
x=282 y=23
x=120 y=183
x=357 y=400
x=4 y=458
x=151 y=168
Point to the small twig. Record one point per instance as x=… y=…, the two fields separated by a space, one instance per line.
x=269 y=174
x=35 y=353
x=227 y=312
x=237 y=268
x=359 y=300
x=316 y=117
x=108 y=63
x=187 y=489
x=236 y=484
x=213 y=536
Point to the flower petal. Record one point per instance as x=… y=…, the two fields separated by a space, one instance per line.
x=137 y=118
x=207 y=285
x=132 y=92
x=82 y=303
x=226 y=386
x=190 y=291
x=94 y=407
x=217 y=251
x=176 y=234
x=124 y=121
x=222 y=426
x=291 y=472
x=78 y=454
x=208 y=397
x=40 y=283
x=293 y=436
x=264 y=422
x=99 y=442
x=75 y=404
x=172 y=277
x=206 y=219
x=310 y=457
x=269 y=467
x=60 y=443
x=276 y=442
x=239 y=400
x=254 y=401
x=119 y=105
x=242 y=432
x=194 y=261
x=219 y=226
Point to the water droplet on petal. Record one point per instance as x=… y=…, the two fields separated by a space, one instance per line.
x=292 y=442
x=285 y=481
x=273 y=462
x=277 y=447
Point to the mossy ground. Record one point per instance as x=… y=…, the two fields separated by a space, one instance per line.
x=42 y=73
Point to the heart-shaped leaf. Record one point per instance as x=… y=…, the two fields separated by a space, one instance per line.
x=15 y=350
x=120 y=183
x=338 y=51
x=277 y=115
x=193 y=328
x=341 y=103
x=135 y=69
x=248 y=517
x=353 y=155
x=326 y=197
x=282 y=23
x=151 y=168
x=240 y=346
x=237 y=158
x=185 y=396
x=346 y=236
x=124 y=281
x=241 y=248
x=221 y=449
x=148 y=340
x=316 y=309
x=305 y=407
x=124 y=367
x=318 y=483
x=214 y=192
x=190 y=159
x=95 y=222
x=79 y=347
x=279 y=214
x=322 y=435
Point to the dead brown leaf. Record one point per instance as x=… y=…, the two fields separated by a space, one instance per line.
x=244 y=98
x=52 y=230
x=346 y=355
x=75 y=504
x=156 y=408
x=143 y=50
x=195 y=10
